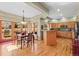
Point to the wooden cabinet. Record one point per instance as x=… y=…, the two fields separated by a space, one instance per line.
x=54 y=25
x=50 y=37
x=58 y=25
x=70 y=24
x=64 y=34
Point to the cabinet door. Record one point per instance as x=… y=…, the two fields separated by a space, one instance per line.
x=70 y=24
x=51 y=37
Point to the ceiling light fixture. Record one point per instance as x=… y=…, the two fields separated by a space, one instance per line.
x=63 y=19
x=23 y=21
x=58 y=10
x=46 y=20
x=54 y=21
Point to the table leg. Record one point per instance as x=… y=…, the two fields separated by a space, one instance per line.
x=21 y=43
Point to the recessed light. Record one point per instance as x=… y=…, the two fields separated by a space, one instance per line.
x=58 y=10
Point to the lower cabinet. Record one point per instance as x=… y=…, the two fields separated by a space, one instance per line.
x=50 y=37
x=64 y=34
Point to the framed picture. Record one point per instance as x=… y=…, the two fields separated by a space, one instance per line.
x=6 y=30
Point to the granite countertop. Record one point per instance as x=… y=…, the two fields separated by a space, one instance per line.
x=65 y=30
x=58 y=29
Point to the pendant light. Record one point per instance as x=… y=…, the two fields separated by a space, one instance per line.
x=23 y=21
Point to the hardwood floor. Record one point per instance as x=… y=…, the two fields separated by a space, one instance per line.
x=63 y=48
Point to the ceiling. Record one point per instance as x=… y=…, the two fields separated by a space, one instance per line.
x=55 y=9
x=18 y=7
x=62 y=9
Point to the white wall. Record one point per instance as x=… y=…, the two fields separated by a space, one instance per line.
x=38 y=22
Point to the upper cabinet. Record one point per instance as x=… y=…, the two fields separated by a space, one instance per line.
x=58 y=25
x=70 y=24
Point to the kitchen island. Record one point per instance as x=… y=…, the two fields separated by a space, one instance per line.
x=64 y=34
x=50 y=37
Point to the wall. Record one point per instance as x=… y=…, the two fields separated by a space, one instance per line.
x=37 y=20
x=8 y=16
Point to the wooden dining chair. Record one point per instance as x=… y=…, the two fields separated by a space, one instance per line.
x=18 y=37
x=30 y=39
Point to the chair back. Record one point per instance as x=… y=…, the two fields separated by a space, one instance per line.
x=30 y=36
x=18 y=35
